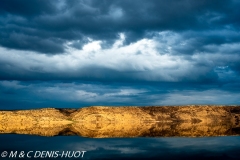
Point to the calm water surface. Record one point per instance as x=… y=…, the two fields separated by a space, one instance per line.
x=127 y=148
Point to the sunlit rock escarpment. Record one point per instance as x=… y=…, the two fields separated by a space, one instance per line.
x=103 y=122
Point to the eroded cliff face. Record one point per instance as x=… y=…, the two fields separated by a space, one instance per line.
x=46 y=122
x=100 y=121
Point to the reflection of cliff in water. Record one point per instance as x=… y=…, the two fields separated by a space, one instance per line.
x=99 y=122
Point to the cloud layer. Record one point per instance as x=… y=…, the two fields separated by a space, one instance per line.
x=157 y=59
x=45 y=26
x=125 y=48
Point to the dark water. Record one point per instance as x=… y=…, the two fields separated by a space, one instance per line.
x=127 y=148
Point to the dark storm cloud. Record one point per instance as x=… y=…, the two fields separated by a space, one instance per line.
x=26 y=8
x=26 y=42
x=207 y=41
x=44 y=26
x=200 y=74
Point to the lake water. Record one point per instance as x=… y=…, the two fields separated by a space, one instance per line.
x=227 y=147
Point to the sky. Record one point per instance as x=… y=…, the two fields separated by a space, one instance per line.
x=71 y=54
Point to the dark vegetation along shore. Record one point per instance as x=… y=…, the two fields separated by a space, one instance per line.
x=103 y=122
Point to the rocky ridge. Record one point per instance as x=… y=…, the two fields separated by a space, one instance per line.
x=103 y=122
